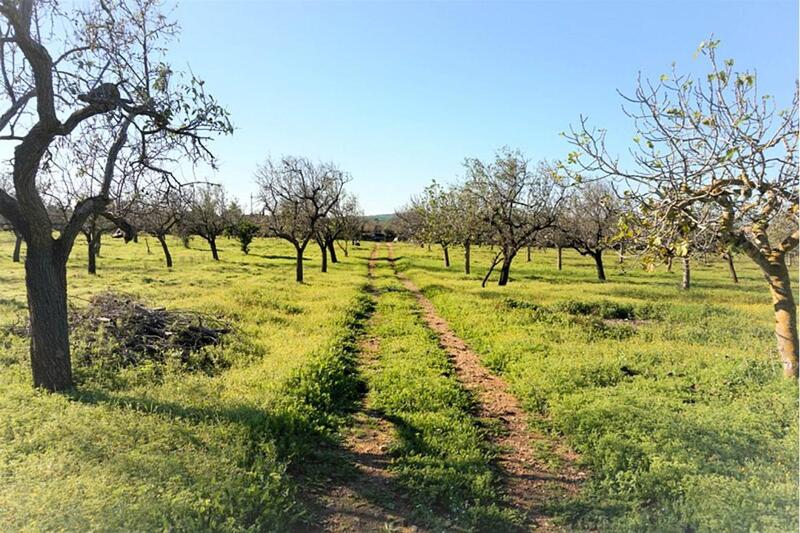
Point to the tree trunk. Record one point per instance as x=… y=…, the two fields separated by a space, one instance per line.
x=299 y=265
x=558 y=257
x=46 y=282
x=167 y=256
x=17 y=247
x=669 y=264
x=621 y=253
x=97 y=239
x=734 y=277
x=332 y=251
x=147 y=245
x=505 y=270
x=92 y=252
x=687 y=274
x=212 y=241
x=446 y=256
x=598 y=261
x=777 y=275
x=529 y=254
x=323 y=249
x=467 y=249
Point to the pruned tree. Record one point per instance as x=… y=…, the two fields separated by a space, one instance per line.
x=715 y=142
x=588 y=222
x=516 y=202
x=297 y=195
x=99 y=64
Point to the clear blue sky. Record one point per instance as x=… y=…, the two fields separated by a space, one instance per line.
x=400 y=93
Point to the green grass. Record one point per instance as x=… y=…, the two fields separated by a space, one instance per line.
x=155 y=447
x=673 y=399
x=440 y=455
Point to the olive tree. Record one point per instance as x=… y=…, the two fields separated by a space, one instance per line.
x=297 y=196
x=68 y=69
x=715 y=141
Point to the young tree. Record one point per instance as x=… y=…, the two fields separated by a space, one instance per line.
x=589 y=221
x=103 y=65
x=516 y=202
x=298 y=195
x=716 y=142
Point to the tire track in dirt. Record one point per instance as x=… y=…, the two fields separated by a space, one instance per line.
x=365 y=499
x=529 y=483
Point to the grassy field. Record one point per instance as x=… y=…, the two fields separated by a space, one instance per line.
x=673 y=398
x=155 y=446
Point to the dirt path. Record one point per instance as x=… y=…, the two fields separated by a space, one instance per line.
x=364 y=498
x=529 y=483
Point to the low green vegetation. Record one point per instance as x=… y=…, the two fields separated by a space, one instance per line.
x=440 y=454
x=673 y=399
x=156 y=445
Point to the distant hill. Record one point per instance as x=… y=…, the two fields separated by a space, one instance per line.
x=388 y=217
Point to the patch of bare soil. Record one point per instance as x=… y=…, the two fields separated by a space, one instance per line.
x=363 y=500
x=529 y=482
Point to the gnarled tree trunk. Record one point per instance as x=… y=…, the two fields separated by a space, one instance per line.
x=46 y=282
x=777 y=275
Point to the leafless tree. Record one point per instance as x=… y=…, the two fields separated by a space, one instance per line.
x=297 y=195
x=101 y=65
x=715 y=142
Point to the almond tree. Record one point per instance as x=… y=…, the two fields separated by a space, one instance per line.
x=208 y=215
x=516 y=202
x=298 y=195
x=715 y=142
x=66 y=72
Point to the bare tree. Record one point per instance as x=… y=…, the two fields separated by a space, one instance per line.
x=298 y=195
x=516 y=202
x=54 y=62
x=715 y=142
x=208 y=215
x=160 y=214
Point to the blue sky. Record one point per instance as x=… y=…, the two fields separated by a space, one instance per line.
x=399 y=93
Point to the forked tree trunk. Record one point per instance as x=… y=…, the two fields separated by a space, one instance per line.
x=446 y=256
x=212 y=242
x=46 y=282
x=332 y=251
x=731 y=268
x=558 y=257
x=467 y=249
x=598 y=262
x=17 y=247
x=167 y=256
x=779 y=280
x=687 y=274
x=299 y=264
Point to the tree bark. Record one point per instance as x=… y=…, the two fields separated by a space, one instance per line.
x=446 y=256
x=299 y=264
x=505 y=270
x=467 y=249
x=323 y=249
x=167 y=256
x=558 y=257
x=598 y=261
x=46 y=282
x=212 y=242
x=332 y=251
x=779 y=280
x=687 y=274
x=731 y=268
x=17 y=247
